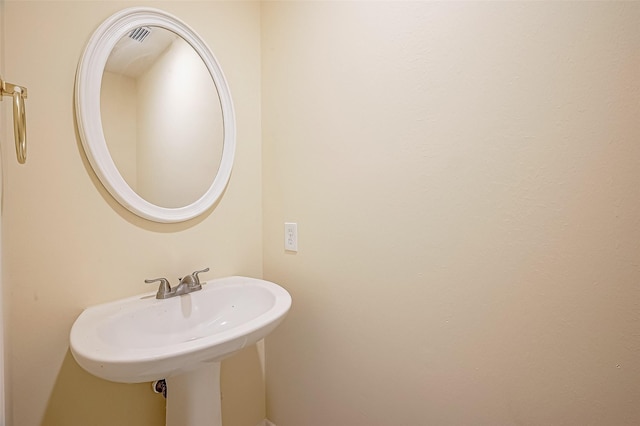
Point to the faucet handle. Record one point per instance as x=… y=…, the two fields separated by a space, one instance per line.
x=195 y=275
x=163 y=290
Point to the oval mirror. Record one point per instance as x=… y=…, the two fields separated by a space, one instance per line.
x=155 y=115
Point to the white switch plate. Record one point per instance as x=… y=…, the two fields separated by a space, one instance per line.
x=291 y=236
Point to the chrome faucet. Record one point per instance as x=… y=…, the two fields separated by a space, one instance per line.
x=186 y=285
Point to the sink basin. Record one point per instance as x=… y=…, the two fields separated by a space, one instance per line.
x=141 y=338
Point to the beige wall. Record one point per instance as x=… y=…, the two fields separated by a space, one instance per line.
x=3 y=375
x=465 y=181
x=68 y=245
x=119 y=115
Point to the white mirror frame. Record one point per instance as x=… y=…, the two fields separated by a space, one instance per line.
x=87 y=98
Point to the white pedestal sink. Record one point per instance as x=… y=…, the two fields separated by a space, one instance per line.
x=181 y=339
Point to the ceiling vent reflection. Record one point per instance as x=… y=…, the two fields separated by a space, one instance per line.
x=140 y=34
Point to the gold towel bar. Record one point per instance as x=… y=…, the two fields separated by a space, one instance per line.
x=19 y=94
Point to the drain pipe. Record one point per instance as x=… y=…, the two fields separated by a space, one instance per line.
x=160 y=386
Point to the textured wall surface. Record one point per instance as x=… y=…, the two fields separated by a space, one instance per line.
x=464 y=178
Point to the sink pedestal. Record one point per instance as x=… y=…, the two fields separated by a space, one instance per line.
x=193 y=398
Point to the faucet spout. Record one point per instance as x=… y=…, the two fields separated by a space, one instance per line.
x=182 y=288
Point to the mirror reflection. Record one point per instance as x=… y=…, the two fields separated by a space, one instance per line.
x=161 y=117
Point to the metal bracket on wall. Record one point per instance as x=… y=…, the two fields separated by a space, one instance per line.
x=19 y=94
